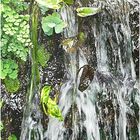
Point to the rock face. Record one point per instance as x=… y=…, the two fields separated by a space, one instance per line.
x=107 y=105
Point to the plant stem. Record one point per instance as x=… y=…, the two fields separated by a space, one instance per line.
x=35 y=77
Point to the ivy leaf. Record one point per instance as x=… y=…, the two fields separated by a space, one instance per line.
x=52 y=21
x=87 y=11
x=51 y=25
x=59 y=28
x=55 y=19
x=45 y=27
x=50 y=32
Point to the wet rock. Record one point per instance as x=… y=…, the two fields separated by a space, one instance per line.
x=86 y=77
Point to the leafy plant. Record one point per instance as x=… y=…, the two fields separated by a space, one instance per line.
x=42 y=56
x=15 y=39
x=15 y=33
x=9 y=68
x=87 y=11
x=12 y=137
x=11 y=85
x=50 y=106
x=51 y=22
x=52 y=4
x=18 y=5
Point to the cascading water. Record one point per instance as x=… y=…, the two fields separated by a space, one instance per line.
x=113 y=81
x=104 y=109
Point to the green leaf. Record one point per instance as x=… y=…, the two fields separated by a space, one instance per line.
x=6 y=66
x=56 y=20
x=14 y=66
x=52 y=4
x=59 y=28
x=12 y=137
x=45 y=94
x=13 y=75
x=87 y=11
x=53 y=110
x=50 y=106
x=17 y=24
x=55 y=14
x=50 y=32
x=6 y=70
x=52 y=21
x=9 y=71
x=45 y=27
x=51 y=25
x=10 y=68
x=69 y=1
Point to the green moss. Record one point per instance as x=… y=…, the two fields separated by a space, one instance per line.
x=81 y=37
x=12 y=85
x=42 y=56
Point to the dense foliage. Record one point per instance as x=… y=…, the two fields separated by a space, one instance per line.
x=15 y=40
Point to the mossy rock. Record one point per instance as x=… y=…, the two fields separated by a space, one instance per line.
x=12 y=85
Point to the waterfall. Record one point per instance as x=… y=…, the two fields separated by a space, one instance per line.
x=114 y=80
x=103 y=110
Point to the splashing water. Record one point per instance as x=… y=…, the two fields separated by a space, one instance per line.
x=114 y=80
x=105 y=109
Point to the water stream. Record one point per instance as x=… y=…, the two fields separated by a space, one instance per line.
x=105 y=110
